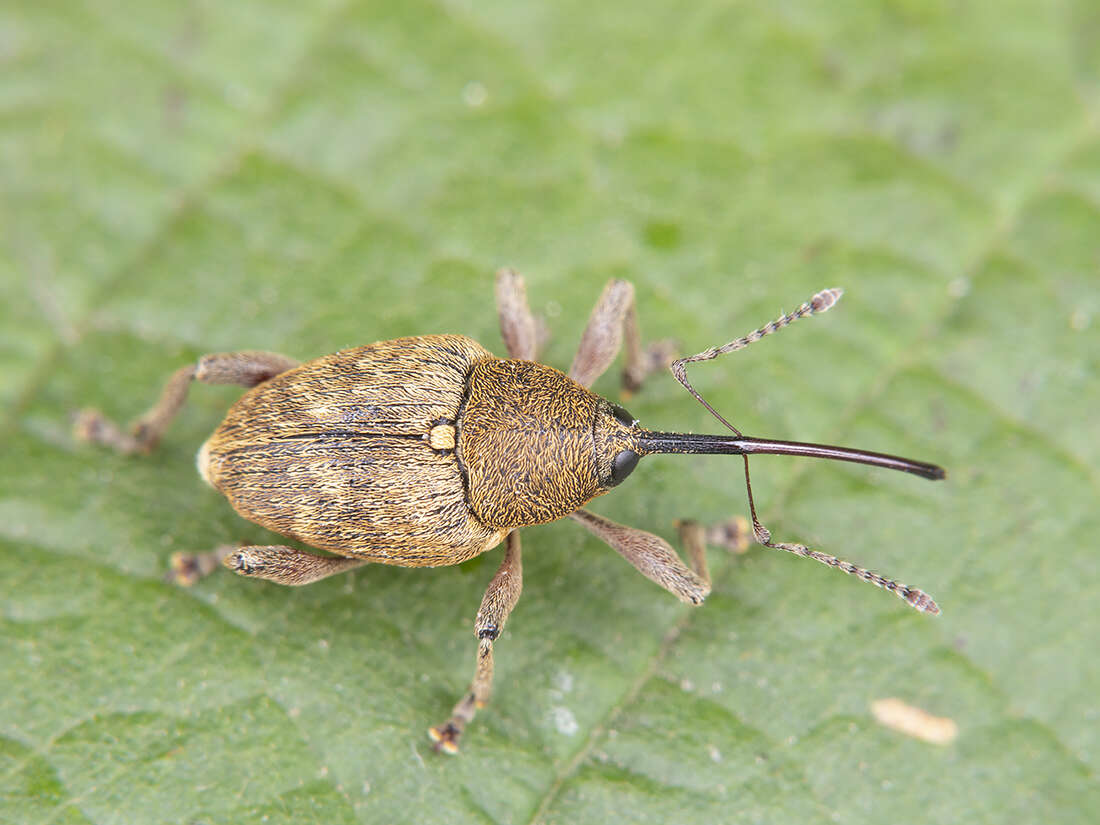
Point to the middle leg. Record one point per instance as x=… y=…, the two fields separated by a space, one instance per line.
x=612 y=325
x=499 y=599
x=518 y=326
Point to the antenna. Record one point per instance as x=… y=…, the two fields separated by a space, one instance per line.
x=743 y=446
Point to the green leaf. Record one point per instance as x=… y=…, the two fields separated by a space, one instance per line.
x=186 y=178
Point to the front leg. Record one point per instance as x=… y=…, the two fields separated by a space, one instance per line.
x=500 y=597
x=655 y=559
x=612 y=325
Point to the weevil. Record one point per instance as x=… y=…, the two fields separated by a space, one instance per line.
x=428 y=451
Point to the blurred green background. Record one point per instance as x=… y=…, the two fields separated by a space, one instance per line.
x=183 y=178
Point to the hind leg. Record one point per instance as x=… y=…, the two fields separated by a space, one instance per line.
x=247 y=369
x=276 y=563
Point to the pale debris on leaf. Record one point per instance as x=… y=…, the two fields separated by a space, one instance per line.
x=914 y=721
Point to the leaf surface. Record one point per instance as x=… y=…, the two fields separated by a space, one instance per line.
x=180 y=179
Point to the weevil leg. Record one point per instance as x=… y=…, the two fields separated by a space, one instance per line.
x=733 y=534
x=521 y=331
x=693 y=540
x=276 y=563
x=612 y=325
x=500 y=597
x=244 y=368
x=654 y=557
x=187 y=568
x=285 y=565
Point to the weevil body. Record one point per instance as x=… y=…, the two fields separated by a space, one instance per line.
x=430 y=450
x=418 y=452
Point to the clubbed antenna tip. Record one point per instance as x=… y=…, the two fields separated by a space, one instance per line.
x=825 y=299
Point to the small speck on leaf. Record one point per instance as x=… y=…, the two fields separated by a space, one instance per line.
x=565 y=721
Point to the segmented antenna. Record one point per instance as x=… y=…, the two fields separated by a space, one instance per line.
x=821 y=302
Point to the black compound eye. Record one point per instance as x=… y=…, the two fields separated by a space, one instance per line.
x=623 y=417
x=623 y=465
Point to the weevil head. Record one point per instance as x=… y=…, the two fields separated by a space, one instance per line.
x=615 y=437
x=535 y=446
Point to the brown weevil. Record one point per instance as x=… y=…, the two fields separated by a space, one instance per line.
x=428 y=451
